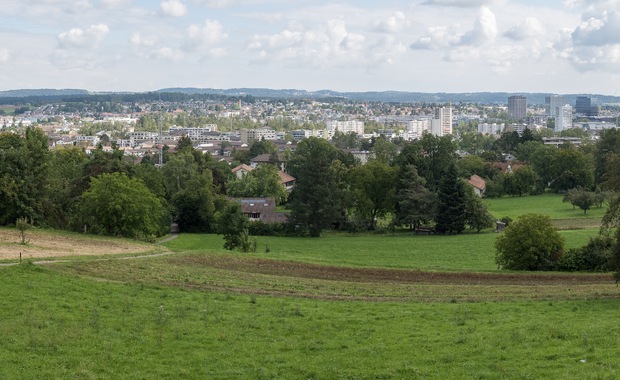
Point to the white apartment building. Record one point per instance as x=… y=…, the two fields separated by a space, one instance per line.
x=552 y=102
x=490 y=129
x=441 y=125
x=346 y=126
x=563 y=117
x=249 y=135
x=418 y=127
x=193 y=133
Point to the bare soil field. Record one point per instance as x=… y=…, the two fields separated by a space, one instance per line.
x=43 y=244
x=379 y=275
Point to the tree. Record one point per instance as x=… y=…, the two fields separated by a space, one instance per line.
x=63 y=187
x=194 y=205
x=529 y=243
x=234 y=226
x=581 y=198
x=452 y=193
x=384 y=150
x=315 y=201
x=259 y=147
x=117 y=205
x=264 y=181
x=432 y=157
x=477 y=215
x=373 y=186
x=347 y=140
x=571 y=168
x=521 y=181
x=608 y=144
x=415 y=203
x=23 y=175
x=22 y=226
x=472 y=164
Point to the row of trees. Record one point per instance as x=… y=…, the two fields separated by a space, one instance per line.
x=421 y=186
x=106 y=192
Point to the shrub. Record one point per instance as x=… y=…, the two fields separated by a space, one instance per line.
x=529 y=243
x=593 y=257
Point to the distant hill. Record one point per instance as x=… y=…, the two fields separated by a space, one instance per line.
x=41 y=92
x=378 y=96
x=387 y=96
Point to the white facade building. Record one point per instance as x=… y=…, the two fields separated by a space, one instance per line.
x=346 y=126
x=418 y=127
x=248 y=135
x=441 y=124
x=490 y=129
x=552 y=103
x=563 y=117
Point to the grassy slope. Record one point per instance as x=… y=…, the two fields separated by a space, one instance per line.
x=57 y=326
x=474 y=252
x=548 y=204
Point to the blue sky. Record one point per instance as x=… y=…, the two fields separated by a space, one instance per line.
x=570 y=46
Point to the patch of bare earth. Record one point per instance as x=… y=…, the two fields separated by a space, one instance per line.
x=43 y=244
x=379 y=275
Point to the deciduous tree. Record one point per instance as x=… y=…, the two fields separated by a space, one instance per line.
x=529 y=243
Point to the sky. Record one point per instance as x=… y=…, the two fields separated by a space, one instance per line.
x=550 y=46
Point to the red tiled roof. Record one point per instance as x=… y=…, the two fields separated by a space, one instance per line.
x=477 y=182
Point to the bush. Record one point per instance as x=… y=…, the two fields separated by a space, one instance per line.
x=259 y=228
x=529 y=243
x=593 y=257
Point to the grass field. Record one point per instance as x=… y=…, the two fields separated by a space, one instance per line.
x=548 y=204
x=54 y=325
x=367 y=306
x=468 y=251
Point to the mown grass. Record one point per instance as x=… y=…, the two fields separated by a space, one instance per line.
x=469 y=251
x=549 y=204
x=54 y=325
x=238 y=273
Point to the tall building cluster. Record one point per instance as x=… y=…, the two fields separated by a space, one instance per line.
x=517 y=107
x=557 y=107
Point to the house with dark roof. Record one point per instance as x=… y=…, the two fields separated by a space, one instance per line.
x=262 y=210
x=267 y=158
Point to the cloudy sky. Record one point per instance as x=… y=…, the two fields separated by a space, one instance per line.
x=554 y=46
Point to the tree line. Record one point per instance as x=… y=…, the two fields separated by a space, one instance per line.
x=415 y=185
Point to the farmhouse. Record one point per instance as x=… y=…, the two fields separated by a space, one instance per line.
x=262 y=210
x=478 y=183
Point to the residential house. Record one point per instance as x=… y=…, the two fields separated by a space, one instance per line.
x=478 y=183
x=262 y=210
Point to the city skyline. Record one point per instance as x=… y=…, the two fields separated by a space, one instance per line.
x=552 y=46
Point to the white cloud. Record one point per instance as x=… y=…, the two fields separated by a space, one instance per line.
x=115 y=3
x=457 y=3
x=602 y=29
x=173 y=8
x=484 y=31
x=168 y=54
x=331 y=44
x=139 y=40
x=82 y=38
x=435 y=38
x=438 y=37
x=207 y=34
x=531 y=27
x=5 y=55
x=594 y=44
x=393 y=24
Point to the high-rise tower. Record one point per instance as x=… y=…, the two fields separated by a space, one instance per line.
x=517 y=107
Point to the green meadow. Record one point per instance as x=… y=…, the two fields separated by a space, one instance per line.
x=365 y=306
